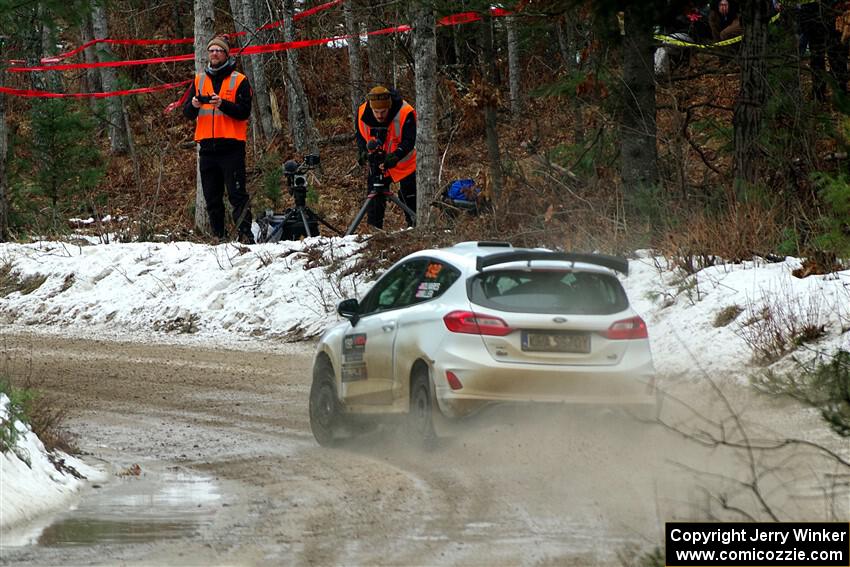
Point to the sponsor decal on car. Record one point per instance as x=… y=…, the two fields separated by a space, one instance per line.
x=426 y=290
x=353 y=366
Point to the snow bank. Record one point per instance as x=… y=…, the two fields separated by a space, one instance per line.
x=267 y=290
x=30 y=484
x=681 y=311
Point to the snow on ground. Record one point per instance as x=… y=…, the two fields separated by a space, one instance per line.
x=262 y=295
x=30 y=484
x=681 y=313
x=267 y=290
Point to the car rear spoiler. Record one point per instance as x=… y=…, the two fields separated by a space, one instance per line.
x=613 y=262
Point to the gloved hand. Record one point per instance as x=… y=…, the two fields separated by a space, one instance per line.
x=362 y=156
x=390 y=161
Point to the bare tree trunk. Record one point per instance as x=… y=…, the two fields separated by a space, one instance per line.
x=243 y=14
x=747 y=120
x=4 y=150
x=568 y=44
x=118 y=135
x=352 y=28
x=638 y=150
x=54 y=79
x=380 y=49
x=92 y=77
x=427 y=158
x=488 y=62
x=204 y=29
x=514 y=66
x=301 y=127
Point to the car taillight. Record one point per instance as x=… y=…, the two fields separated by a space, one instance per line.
x=453 y=380
x=627 y=329
x=476 y=324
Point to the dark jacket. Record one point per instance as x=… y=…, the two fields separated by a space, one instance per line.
x=731 y=15
x=408 y=129
x=240 y=110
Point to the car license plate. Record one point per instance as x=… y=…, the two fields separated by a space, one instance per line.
x=538 y=341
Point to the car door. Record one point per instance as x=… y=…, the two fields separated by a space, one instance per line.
x=376 y=331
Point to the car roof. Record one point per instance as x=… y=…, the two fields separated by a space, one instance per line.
x=475 y=256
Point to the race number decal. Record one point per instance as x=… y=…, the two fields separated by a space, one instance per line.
x=353 y=365
x=433 y=270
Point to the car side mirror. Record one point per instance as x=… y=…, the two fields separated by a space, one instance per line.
x=350 y=309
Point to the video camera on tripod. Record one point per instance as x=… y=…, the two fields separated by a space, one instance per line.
x=377 y=183
x=296 y=176
x=299 y=221
x=375 y=158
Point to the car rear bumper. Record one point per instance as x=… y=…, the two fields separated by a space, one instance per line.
x=484 y=381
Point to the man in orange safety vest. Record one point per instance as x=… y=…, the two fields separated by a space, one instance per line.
x=390 y=123
x=220 y=103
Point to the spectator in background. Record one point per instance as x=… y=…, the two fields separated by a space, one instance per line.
x=817 y=24
x=680 y=23
x=724 y=18
x=220 y=103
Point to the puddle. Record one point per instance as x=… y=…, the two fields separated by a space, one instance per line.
x=155 y=506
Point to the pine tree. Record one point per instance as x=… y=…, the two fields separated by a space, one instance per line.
x=69 y=166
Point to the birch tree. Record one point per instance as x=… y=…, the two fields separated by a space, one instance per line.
x=204 y=29
x=638 y=150
x=355 y=73
x=380 y=50
x=92 y=77
x=244 y=15
x=427 y=159
x=300 y=122
x=514 y=72
x=118 y=135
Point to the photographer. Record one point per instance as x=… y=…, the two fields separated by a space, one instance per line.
x=391 y=123
x=220 y=102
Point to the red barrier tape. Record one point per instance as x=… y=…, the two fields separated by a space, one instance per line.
x=80 y=49
x=455 y=19
x=45 y=94
x=250 y=50
x=128 y=63
x=148 y=42
x=304 y=14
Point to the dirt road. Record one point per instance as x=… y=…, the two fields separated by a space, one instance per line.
x=560 y=487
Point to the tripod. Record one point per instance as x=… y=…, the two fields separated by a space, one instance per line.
x=378 y=186
x=298 y=221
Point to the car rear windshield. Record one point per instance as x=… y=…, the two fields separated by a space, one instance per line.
x=548 y=291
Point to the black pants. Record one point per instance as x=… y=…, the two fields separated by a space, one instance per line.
x=817 y=24
x=407 y=195
x=222 y=170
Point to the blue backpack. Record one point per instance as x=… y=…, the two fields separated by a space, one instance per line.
x=463 y=190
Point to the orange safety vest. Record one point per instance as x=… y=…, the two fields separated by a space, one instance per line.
x=212 y=123
x=407 y=164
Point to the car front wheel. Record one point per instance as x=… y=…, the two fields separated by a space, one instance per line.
x=325 y=417
x=420 y=421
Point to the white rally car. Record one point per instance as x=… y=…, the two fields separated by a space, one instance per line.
x=445 y=332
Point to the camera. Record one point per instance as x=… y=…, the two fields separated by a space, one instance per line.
x=378 y=135
x=204 y=99
x=296 y=176
x=375 y=158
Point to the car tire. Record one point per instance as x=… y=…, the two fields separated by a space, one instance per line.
x=325 y=415
x=420 y=419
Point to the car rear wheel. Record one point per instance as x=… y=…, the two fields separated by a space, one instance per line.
x=325 y=415
x=420 y=420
